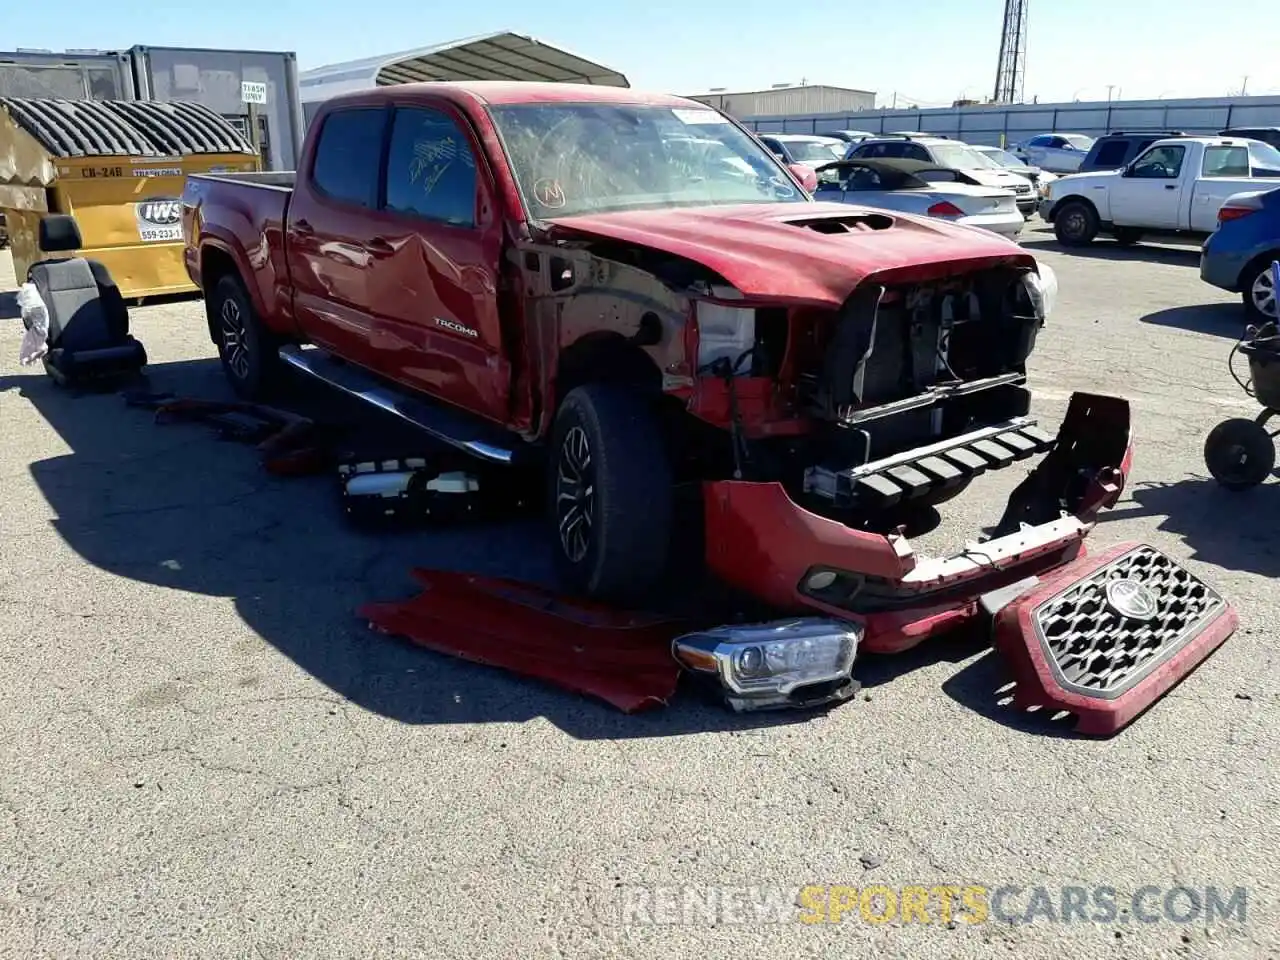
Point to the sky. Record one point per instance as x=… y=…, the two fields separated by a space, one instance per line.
x=929 y=52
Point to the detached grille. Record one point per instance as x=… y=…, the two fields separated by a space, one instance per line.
x=1100 y=651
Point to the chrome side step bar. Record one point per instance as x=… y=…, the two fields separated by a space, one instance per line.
x=455 y=429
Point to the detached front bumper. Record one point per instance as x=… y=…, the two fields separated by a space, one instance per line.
x=763 y=543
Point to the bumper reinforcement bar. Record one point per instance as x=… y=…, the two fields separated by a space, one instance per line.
x=914 y=473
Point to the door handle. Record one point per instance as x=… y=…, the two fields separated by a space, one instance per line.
x=303 y=228
x=1171 y=186
x=379 y=247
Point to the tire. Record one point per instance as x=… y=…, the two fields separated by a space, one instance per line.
x=610 y=470
x=1239 y=453
x=1127 y=236
x=248 y=350
x=1075 y=223
x=1257 y=292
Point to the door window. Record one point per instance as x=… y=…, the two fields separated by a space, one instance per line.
x=1160 y=163
x=347 y=155
x=1225 y=162
x=913 y=151
x=1112 y=153
x=431 y=171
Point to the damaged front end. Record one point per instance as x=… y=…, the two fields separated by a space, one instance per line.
x=920 y=391
x=833 y=374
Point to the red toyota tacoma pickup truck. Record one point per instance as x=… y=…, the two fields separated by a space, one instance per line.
x=631 y=289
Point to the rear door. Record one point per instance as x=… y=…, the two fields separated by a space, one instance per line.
x=437 y=245
x=1034 y=150
x=1150 y=193
x=329 y=230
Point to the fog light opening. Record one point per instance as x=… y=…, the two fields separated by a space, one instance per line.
x=836 y=587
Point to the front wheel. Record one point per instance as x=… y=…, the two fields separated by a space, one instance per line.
x=1075 y=224
x=611 y=494
x=246 y=348
x=1239 y=453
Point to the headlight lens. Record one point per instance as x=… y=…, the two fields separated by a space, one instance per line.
x=770 y=660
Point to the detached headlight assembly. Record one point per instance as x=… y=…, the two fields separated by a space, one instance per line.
x=801 y=662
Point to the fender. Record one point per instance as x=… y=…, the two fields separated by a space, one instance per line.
x=258 y=274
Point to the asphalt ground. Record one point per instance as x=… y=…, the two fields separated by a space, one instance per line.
x=204 y=753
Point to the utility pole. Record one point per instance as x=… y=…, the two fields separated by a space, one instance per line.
x=1110 y=87
x=1244 y=87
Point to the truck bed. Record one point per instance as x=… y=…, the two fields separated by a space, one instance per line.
x=275 y=179
x=238 y=209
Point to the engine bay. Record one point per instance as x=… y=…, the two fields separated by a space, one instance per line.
x=905 y=393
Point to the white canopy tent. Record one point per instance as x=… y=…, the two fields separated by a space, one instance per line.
x=494 y=56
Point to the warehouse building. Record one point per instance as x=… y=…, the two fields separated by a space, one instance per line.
x=495 y=56
x=785 y=100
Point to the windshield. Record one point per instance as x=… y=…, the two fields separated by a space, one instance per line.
x=1004 y=158
x=815 y=151
x=962 y=157
x=596 y=157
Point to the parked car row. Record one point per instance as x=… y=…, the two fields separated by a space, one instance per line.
x=1124 y=185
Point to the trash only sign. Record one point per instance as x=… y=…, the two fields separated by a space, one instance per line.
x=251 y=92
x=159 y=219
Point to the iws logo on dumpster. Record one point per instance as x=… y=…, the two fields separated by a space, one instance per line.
x=159 y=219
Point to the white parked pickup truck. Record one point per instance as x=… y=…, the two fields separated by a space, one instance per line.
x=1174 y=186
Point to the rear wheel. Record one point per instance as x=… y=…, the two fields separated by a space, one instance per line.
x=1258 y=291
x=1239 y=453
x=611 y=494
x=1075 y=223
x=248 y=350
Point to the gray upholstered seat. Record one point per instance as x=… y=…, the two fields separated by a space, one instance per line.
x=88 y=319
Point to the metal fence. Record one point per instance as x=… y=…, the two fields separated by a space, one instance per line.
x=1010 y=124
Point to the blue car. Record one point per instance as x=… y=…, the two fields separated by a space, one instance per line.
x=1238 y=255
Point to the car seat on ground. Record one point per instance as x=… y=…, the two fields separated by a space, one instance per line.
x=89 y=336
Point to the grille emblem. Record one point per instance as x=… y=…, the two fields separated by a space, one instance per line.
x=1131 y=599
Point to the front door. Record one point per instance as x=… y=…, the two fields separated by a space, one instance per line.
x=437 y=252
x=328 y=230
x=1149 y=193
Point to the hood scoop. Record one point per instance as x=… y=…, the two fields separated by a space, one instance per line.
x=853 y=223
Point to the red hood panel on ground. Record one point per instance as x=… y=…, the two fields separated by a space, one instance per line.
x=770 y=251
x=622 y=658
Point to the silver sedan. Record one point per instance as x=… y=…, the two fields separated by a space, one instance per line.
x=912 y=186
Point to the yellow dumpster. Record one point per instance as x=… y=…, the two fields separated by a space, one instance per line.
x=118 y=167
